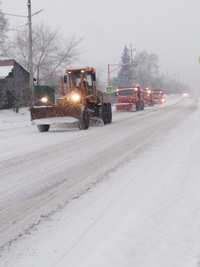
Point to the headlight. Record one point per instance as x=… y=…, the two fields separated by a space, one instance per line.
x=75 y=97
x=44 y=100
x=185 y=94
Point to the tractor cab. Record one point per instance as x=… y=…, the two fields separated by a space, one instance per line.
x=82 y=79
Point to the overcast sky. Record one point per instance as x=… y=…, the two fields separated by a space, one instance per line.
x=168 y=28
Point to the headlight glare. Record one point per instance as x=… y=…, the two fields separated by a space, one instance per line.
x=75 y=97
x=44 y=99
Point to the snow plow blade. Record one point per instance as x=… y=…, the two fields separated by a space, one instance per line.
x=96 y=122
x=55 y=111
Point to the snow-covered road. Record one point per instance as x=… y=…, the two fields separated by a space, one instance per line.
x=126 y=194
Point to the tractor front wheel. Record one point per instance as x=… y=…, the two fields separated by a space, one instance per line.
x=84 y=122
x=43 y=127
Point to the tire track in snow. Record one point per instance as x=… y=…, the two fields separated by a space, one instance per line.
x=38 y=194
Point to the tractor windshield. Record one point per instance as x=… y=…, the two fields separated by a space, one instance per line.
x=75 y=78
x=78 y=77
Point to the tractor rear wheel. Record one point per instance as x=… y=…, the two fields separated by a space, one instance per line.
x=109 y=113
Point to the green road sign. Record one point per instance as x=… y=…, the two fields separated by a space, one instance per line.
x=109 y=89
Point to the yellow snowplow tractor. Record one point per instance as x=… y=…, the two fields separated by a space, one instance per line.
x=79 y=101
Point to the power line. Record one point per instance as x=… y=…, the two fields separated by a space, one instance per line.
x=15 y=29
x=90 y=23
x=14 y=15
x=94 y=33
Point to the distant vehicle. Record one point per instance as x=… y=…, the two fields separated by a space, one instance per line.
x=130 y=99
x=185 y=94
x=158 y=96
x=148 y=97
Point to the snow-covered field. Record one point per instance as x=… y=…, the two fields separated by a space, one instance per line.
x=126 y=194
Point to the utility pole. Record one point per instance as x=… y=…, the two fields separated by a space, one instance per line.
x=31 y=83
x=131 y=50
x=133 y=71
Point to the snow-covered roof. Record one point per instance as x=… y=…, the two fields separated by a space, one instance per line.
x=5 y=70
x=5 y=58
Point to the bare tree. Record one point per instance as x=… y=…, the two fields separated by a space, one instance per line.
x=3 y=30
x=148 y=75
x=147 y=70
x=51 y=53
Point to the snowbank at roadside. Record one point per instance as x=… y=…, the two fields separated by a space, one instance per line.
x=10 y=119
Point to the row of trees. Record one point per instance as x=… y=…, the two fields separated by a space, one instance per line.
x=143 y=70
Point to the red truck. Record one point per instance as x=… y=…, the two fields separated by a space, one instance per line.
x=129 y=98
x=158 y=96
x=148 y=97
